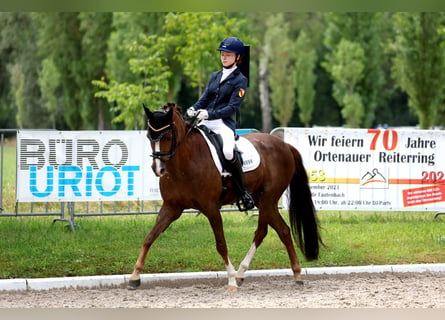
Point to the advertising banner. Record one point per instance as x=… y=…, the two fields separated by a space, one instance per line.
x=348 y=169
x=84 y=166
x=373 y=169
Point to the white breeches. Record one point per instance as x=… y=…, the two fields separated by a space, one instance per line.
x=227 y=135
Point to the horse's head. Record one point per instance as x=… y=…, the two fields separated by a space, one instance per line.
x=163 y=134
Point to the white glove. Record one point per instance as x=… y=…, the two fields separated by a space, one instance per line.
x=202 y=114
x=191 y=112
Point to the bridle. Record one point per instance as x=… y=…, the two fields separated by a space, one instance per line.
x=160 y=155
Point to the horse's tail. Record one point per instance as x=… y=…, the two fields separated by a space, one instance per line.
x=302 y=216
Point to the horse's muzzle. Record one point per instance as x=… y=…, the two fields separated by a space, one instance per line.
x=158 y=167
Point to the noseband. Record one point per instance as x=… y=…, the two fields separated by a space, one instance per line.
x=161 y=133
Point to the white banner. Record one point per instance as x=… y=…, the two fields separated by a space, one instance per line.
x=348 y=169
x=373 y=169
x=84 y=166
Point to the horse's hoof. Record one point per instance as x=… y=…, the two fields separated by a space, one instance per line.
x=134 y=284
x=232 y=289
x=299 y=283
x=239 y=281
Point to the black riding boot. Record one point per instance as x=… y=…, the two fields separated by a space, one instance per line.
x=238 y=181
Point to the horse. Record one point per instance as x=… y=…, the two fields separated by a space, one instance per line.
x=189 y=179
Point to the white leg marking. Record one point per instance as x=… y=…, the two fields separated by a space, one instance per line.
x=244 y=266
x=231 y=274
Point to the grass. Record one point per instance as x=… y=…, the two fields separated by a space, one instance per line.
x=34 y=247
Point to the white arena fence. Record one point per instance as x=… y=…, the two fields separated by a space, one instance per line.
x=348 y=169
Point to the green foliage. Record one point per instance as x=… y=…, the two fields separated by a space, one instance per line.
x=306 y=59
x=7 y=110
x=126 y=27
x=49 y=80
x=195 y=49
x=281 y=67
x=17 y=88
x=95 y=28
x=20 y=70
x=64 y=47
x=346 y=66
x=76 y=43
x=418 y=62
x=365 y=29
x=87 y=46
x=152 y=58
x=148 y=61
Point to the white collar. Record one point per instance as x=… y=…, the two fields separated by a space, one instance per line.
x=227 y=72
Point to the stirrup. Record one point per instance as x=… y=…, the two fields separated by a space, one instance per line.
x=245 y=202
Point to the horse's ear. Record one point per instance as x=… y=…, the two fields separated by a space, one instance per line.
x=147 y=111
x=169 y=105
x=170 y=113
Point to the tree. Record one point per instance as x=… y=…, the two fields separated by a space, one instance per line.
x=148 y=60
x=346 y=66
x=259 y=58
x=95 y=28
x=17 y=89
x=152 y=60
x=306 y=59
x=281 y=69
x=49 y=81
x=126 y=27
x=266 y=114
x=365 y=29
x=20 y=65
x=7 y=110
x=418 y=62
x=195 y=49
x=59 y=39
x=76 y=43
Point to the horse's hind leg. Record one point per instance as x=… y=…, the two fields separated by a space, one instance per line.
x=283 y=231
x=165 y=217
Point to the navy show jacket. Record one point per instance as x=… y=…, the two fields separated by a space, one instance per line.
x=223 y=99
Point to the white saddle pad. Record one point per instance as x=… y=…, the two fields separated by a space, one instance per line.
x=251 y=157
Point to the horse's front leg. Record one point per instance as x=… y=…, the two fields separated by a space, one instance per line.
x=165 y=217
x=260 y=234
x=221 y=246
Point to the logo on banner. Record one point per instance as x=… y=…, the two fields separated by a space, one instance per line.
x=374 y=179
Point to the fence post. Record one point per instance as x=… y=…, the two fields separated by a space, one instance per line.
x=70 y=220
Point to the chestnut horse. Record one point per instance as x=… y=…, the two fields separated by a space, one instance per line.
x=190 y=179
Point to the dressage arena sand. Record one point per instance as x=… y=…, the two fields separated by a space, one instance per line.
x=357 y=290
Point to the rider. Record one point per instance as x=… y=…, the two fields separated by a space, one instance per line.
x=221 y=99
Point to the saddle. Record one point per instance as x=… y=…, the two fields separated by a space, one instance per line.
x=249 y=155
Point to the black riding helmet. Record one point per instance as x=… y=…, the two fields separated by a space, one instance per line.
x=232 y=44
